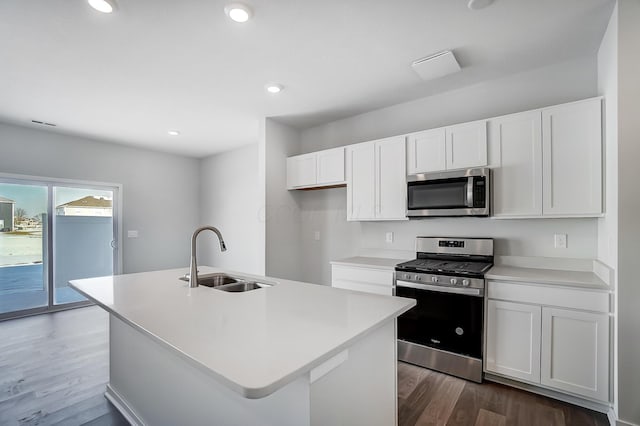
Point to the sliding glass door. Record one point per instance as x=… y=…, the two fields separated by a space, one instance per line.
x=23 y=247
x=52 y=232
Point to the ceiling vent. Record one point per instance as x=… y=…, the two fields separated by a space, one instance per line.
x=436 y=66
x=43 y=123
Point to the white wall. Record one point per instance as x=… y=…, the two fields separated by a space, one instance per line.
x=628 y=213
x=282 y=251
x=159 y=189
x=608 y=225
x=608 y=87
x=325 y=210
x=230 y=201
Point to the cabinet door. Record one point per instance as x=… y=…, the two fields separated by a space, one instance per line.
x=391 y=179
x=572 y=159
x=467 y=145
x=301 y=170
x=513 y=340
x=361 y=178
x=575 y=352
x=426 y=151
x=330 y=166
x=515 y=146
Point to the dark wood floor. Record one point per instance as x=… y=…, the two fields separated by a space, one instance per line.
x=54 y=368
x=426 y=397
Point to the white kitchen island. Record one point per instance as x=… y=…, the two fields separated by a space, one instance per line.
x=291 y=354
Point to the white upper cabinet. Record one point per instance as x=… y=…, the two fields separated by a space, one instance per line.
x=426 y=151
x=376 y=180
x=548 y=162
x=361 y=177
x=572 y=159
x=301 y=170
x=316 y=169
x=515 y=150
x=330 y=166
x=447 y=148
x=391 y=179
x=466 y=145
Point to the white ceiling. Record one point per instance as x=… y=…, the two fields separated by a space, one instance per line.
x=157 y=65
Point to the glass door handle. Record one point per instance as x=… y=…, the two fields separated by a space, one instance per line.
x=113 y=244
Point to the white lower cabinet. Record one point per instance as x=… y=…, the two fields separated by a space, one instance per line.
x=563 y=348
x=575 y=352
x=513 y=340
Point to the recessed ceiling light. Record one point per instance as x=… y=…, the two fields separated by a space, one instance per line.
x=174 y=132
x=104 y=6
x=478 y=4
x=238 y=12
x=274 y=87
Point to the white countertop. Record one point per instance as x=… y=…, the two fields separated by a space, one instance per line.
x=370 y=262
x=253 y=342
x=580 y=279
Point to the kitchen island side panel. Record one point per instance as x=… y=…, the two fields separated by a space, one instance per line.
x=161 y=388
x=363 y=389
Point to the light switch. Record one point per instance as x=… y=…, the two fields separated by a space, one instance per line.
x=316 y=235
x=132 y=234
x=389 y=237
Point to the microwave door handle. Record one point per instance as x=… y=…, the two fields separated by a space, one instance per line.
x=470 y=192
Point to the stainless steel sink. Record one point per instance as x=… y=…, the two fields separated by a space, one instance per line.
x=224 y=282
x=243 y=286
x=212 y=280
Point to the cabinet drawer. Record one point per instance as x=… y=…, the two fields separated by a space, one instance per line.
x=362 y=275
x=549 y=295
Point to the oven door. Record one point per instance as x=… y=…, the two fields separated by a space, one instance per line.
x=444 y=318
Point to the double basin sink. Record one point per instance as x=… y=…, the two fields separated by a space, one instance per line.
x=229 y=283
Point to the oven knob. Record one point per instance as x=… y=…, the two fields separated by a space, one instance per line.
x=454 y=281
x=407 y=276
x=418 y=278
x=465 y=283
x=434 y=279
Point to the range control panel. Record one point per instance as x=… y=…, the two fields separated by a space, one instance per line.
x=451 y=243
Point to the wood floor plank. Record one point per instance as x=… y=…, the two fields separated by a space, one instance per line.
x=54 y=369
x=412 y=407
x=480 y=404
x=442 y=403
x=489 y=418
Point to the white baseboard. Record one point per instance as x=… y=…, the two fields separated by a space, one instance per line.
x=585 y=403
x=123 y=407
x=619 y=422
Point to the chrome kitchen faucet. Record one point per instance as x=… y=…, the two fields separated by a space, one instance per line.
x=193 y=268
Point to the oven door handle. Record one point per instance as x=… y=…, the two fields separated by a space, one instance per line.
x=442 y=289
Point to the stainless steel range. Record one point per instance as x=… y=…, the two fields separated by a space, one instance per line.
x=444 y=331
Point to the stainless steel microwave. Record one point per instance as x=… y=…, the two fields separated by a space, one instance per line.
x=454 y=193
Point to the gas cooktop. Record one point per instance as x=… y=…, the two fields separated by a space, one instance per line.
x=446 y=267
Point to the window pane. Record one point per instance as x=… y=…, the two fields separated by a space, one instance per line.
x=23 y=283
x=83 y=232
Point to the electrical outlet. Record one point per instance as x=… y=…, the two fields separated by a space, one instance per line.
x=132 y=234
x=316 y=235
x=389 y=237
x=560 y=241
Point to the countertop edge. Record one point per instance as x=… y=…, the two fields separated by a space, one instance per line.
x=350 y=261
x=249 y=392
x=559 y=282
